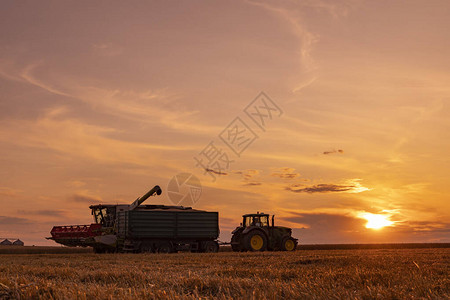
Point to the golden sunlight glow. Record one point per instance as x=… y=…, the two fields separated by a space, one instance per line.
x=375 y=221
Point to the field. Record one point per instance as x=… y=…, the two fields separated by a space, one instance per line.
x=361 y=274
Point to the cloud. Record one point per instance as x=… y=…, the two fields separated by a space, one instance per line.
x=252 y=183
x=107 y=49
x=5 y=191
x=216 y=172
x=306 y=38
x=249 y=177
x=76 y=183
x=319 y=188
x=319 y=227
x=423 y=226
x=13 y=221
x=76 y=138
x=247 y=174
x=333 y=151
x=285 y=173
x=156 y=106
x=352 y=186
x=45 y=212
x=347 y=227
x=83 y=197
x=319 y=220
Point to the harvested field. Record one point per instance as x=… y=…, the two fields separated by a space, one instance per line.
x=362 y=274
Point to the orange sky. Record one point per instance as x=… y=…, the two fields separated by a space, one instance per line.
x=102 y=100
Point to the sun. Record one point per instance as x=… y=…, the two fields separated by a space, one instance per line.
x=375 y=221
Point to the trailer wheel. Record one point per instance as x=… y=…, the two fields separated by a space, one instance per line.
x=165 y=248
x=211 y=247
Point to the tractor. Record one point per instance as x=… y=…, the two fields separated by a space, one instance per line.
x=256 y=233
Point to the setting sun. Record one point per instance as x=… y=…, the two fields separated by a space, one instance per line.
x=375 y=221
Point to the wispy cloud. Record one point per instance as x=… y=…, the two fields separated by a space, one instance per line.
x=249 y=177
x=76 y=183
x=107 y=49
x=84 y=197
x=333 y=151
x=252 y=183
x=155 y=106
x=11 y=221
x=45 y=212
x=74 y=137
x=352 y=186
x=307 y=39
x=5 y=191
x=216 y=172
x=285 y=173
x=247 y=174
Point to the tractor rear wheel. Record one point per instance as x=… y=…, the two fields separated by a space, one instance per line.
x=256 y=241
x=288 y=244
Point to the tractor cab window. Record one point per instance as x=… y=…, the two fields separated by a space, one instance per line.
x=264 y=220
x=257 y=220
x=248 y=221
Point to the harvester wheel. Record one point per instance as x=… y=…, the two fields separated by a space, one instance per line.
x=288 y=244
x=99 y=250
x=256 y=241
x=211 y=247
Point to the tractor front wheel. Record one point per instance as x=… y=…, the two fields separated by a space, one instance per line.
x=256 y=241
x=288 y=244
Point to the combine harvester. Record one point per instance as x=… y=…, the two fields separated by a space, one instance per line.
x=143 y=228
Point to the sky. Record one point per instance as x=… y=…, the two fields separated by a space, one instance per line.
x=329 y=114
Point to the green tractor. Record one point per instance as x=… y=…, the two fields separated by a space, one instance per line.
x=256 y=234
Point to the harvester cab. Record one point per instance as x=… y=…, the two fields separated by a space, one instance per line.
x=106 y=214
x=258 y=233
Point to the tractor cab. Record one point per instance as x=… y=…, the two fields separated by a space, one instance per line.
x=258 y=219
